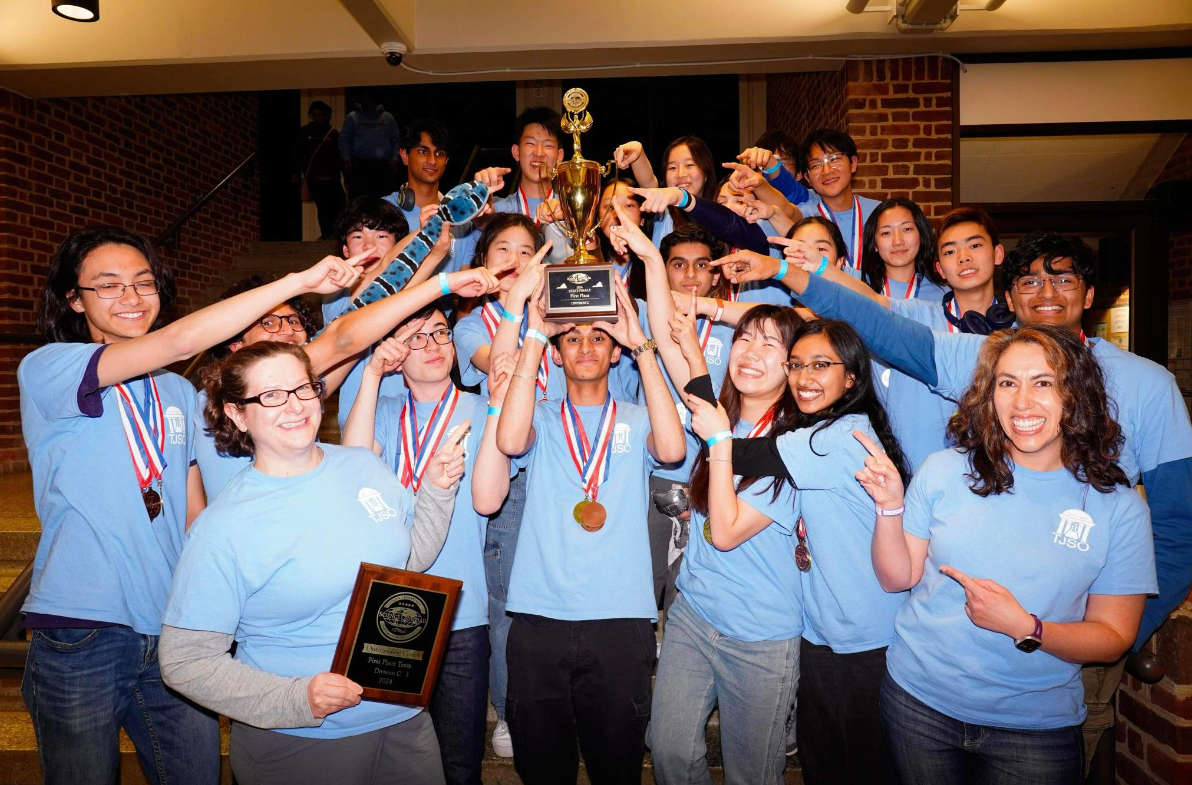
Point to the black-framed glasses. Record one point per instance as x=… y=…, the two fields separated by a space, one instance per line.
x=420 y=340
x=114 y=291
x=272 y=322
x=274 y=398
x=831 y=161
x=815 y=367
x=1033 y=284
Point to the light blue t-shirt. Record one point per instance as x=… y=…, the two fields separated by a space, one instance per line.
x=392 y=384
x=273 y=561
x=217 y=470
x=844 y=221
x=562 y=571
x=844 y=606
x=462 y=557
x=664 y=224
x=100 y=558
x=1052 y=541
x=512 y=204
x=752 y=592
x=1148 y=403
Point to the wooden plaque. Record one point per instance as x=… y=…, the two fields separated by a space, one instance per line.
x=580 y=293
x=395 y=634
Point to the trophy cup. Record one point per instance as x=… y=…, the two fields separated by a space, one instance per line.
x=582 y=287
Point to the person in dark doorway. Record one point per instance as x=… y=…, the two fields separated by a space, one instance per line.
x=317 y=167
x=368 y=145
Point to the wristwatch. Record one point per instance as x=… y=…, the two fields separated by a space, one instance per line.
x=648 y=346
x=1029 y=643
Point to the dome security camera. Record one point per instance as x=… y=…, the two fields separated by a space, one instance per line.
x=394 y=51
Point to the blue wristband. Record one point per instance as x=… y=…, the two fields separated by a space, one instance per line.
x=443 y=287
x=686 y=199
x=717 y=438
x=509 y=317
x=782 y=268
x=773 y=170
x=537 y=335
x=494 y=411
x=823 y=265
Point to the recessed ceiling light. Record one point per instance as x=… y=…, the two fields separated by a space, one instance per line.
x=76 y=10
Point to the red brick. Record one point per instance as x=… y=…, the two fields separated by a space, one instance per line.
x=891 y=183
x=869 y=88
x=1134 y=742
x=922 y=88
x=908 y=102
x=1169 y=768
x=901 y=129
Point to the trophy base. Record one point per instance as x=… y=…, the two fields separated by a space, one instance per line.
x=581 y=293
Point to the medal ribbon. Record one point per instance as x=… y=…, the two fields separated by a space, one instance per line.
x=147 y=443
x=705 y=329
x=591 y=460
x=524 y=203
x=858 y=226
x=912 y=288
x=1085 y=339
x=415 y=455
x=762 y=426
x=490 y=314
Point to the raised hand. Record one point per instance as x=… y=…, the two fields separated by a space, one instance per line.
x=756 y=210
x=473 y=282
x=627 y=235
x=328 y=693
x=801 y=253
x=500 y=372
x=627 y=331
x=879 y=477
x=529 y=276
x=742 y=266
x=743 y=178
x=627 y=153
x=493 y=177
x=390 y=353
x=991 y=606
x=757 y=158
x=657 y=199
x=448 y=464
x=331 y=273
x=706 y=420
x=682 y=327
x=425 y=214
x=549 y=211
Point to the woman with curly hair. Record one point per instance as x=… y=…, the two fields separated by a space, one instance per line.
x=1027 y=553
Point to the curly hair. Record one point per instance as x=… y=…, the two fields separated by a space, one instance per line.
x=227 y=382
x=1091 y=438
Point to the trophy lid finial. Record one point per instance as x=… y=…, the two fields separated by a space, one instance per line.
x=575 y=100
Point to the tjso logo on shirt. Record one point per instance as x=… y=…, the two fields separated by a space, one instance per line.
x=621 y=438
x=175 y=425
x=376 y=507
x=712 y=353
x=1073 y=529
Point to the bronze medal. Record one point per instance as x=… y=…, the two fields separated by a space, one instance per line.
x=708 y=532
x=152 y=501
x=577 y=511
x=802 y=558
x=593 y=516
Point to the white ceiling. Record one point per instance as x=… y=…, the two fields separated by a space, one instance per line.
x=1103 y=167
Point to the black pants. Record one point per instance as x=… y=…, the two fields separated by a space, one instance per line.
x=839 y=725
x=328 y=196
x=585 y=682
x=459 y=705
x=370 y=178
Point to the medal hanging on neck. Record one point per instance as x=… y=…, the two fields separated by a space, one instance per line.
x=912 y=288
x=145 y=432
x=760 y=429
x=490 y=315
x=417 y=446
x=853 y=259
x=591 y=459
x=523 y=203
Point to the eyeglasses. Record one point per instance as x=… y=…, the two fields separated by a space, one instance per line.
x=816 y=367
x=114 y=291
x=272 y=323
x=831 y=160
x=420 y=340
x=274 y=398
x=1034 y=283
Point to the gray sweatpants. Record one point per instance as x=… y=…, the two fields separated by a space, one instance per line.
x=404 y=754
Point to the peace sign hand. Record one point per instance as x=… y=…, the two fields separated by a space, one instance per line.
x=879 y=477
x=991 y=606
x=448 y=464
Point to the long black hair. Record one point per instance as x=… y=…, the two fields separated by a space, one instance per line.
x=861 y=398
x=873 y=267
x=60 y=323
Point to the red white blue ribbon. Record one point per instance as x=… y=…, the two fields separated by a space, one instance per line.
x=912 y=288
x=854 y=256
x=490 y=315
x=954 y=309
x=524 y=204
x=144 y=430
x=417 y=446
x=705 y=329
x=591 y=458
x=762 y=426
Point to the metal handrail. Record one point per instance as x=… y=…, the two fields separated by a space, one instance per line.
x=13 y=650
x=170 y=235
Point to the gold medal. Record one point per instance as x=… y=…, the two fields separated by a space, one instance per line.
x=577 y=511
x=708 y=532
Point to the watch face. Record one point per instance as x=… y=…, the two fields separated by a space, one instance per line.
x=1028 y=644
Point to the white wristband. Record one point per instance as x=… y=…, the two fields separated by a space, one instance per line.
x=890 y=513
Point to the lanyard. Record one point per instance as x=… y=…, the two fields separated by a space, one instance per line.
x=705 y=329
x=912 y=288
x=147 y=441
x=490 y=315
x=854 y=256
x=417 y=446
x=524 y=203
x=590 y=459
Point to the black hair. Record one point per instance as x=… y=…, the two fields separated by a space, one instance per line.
x=317 y=106
x=831 y=227
x=775 y=140
x=828 y=140
x=861 y=398
x=873 y=268
x=637 y=267
x=424 y=125
x=1050 y=247
x=498 y=223
x=312 y=319
x=60 y=323
x=369 y=212
x=691 y=233
x=538 y=115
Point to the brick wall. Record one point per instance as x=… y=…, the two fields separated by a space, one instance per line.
x=899 y=112
x=138 y=162
x=1180 y=247
x=799 y=103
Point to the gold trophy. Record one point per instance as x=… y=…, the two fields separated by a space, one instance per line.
x=582 y=287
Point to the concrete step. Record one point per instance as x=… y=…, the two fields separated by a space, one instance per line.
x=19 y=527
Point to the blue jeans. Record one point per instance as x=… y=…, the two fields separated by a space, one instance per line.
x=929 y=747
x=82 y=685
x=459 y=705
x=500 y=545
x=753 y=683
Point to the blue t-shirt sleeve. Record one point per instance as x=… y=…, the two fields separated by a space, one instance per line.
x=1130 y=564
x=821 y=458
x=470 y=334
x=782 y=511
x=916 y=520
x=208 y=592
x=334 y=305
x=956 y=357
x=1169 y=493
x=786 y=184
x=192 y=407
x=387 y=425
x=62 y=380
